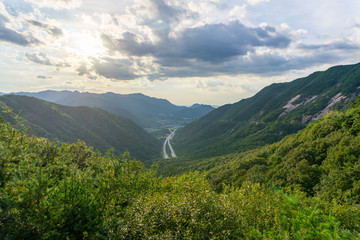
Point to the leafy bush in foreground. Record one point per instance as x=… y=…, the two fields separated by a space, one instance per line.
x=68 y=191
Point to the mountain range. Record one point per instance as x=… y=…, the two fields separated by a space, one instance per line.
x=276 y=111
x=273 y=113
x=98 y=128
x=307 y=186
x=148 y=112
x=281 y=164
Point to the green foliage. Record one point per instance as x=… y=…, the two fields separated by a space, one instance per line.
x=68 y=191
x=321 y=160
x=187 y=208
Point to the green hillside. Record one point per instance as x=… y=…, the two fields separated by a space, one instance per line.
x=96 y=127
x=321 y=160
x=71 y=192
x=276 y=111
x=148 y=112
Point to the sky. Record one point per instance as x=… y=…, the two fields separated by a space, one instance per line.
x=187 y=51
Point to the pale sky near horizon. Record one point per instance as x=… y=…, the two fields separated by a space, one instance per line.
x=187 y=51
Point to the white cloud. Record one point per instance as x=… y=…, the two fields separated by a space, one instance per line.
x=57 y=4
x=254 y=2
x=238 y=12
x=148 y=40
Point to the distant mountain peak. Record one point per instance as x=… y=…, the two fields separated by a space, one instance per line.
x=148 y=112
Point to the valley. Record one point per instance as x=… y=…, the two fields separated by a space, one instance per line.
x=148 y=112
x=179 y=120
x=291 y=150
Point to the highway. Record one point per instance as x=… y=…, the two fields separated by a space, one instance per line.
x=167 y=142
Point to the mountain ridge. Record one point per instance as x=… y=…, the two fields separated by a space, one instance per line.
x=256 y=121
x=96 y=127
x=148 y=112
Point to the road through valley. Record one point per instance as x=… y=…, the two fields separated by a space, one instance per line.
x=167 y=142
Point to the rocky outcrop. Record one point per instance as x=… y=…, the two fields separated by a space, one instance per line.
x=290 y=106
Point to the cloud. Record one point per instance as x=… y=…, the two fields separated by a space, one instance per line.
x=209 y=84
x=119 y=69
x=12 y=36
x=338 y=45
x=213 y=48
x=238 y=12
x=83 y=69
x=52 y=30
x=57 y=4
x=160 y=39
x=159 y=16
x=254 y=2
x=209 y=43
x=266 y=63
x=44 y=59
x=42 y=77
x=92 y=77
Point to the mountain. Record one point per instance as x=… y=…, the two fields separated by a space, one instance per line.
x=67 y=191
x=196 y=111
x=146 y=111
x=276 y=111
x=321 y=160
x=96 y=127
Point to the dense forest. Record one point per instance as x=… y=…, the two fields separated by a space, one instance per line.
x=304 y=187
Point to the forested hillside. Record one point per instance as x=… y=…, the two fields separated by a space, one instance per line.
x=96 y=127
x=148 y=112
x=305 y=186
x=321 y=160
x=276 y=111
x=70 y=192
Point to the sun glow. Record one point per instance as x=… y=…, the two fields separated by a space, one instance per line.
x=87 y=45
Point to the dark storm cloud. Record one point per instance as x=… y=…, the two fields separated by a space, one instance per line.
x=119 y=69
x=209 y=43
x=53 y=30
x=12 y=36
